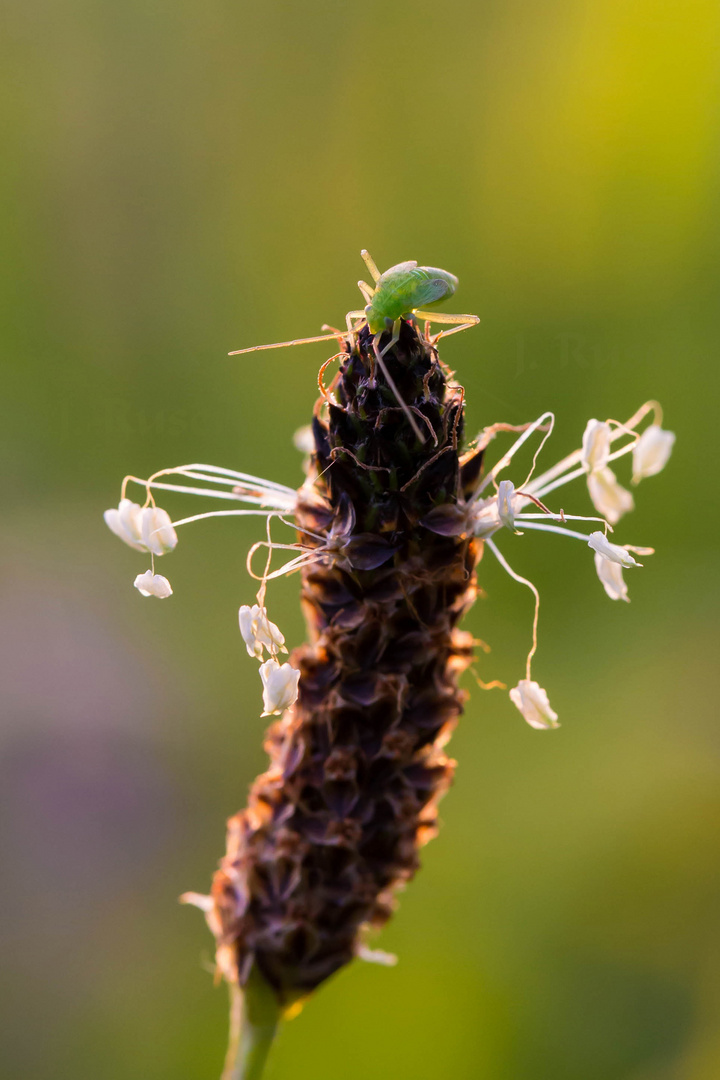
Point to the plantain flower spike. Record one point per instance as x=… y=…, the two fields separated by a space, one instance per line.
x=258 y=632
x=651 y=452
x=149 y=584
x=532 y=701
x=280 y=686
x=389 y=530
x=611 y=578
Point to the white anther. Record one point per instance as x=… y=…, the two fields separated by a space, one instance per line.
x=280 y=686
x=532 y=701
x=158 y=534
x=505 y=496
x=612 y=552
x=611 y=578
x=258 y=632
x=150 y=584
x=596 y=445
x=651 y=452
x=609 y=498
x=125 y=522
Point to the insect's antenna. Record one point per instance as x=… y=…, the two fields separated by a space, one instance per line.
x=285 y=344
x=370 y=263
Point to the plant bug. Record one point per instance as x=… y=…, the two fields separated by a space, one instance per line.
x=406 y=291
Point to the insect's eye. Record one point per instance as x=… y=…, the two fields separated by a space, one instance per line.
x=368 y=310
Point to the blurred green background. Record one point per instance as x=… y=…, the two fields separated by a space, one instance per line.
x=180 y=179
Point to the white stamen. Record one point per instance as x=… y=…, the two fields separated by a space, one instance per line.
x=508 y=456
x=523 y=581
x=613 y=552
x=559 y=517
x=576 y=456
x=608 y=497
x=280 y=686
x=258 y=632
x=125 y=522
x=596 y=445
x=224 y=513
x=532 y=701
x=611 y=578
x=147 y=529
x=651 y=452
x=505 y=494
x=158 y=534
x=542 y=527
x=149 y=584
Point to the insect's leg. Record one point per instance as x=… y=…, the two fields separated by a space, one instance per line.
x=367 y=291
x=370 y=263
x=391 y=382
x=395 y=337
x=354 y=315
x=286 y=344
x=459 y=322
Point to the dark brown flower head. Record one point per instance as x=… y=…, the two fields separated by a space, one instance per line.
x=333 y=828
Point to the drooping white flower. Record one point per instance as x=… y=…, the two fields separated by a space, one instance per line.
x=651 y=452
x=609 y=498
x=506 y=511
x=532 y=701
x=126 y=522
x=158 y=535
x=258 y=632
x=599 y=542
x=145 y=529
x=280 y=686
x=596 y=445
x=150 y=584
x=611 y=578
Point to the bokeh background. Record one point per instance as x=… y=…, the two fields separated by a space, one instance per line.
x=180 y=179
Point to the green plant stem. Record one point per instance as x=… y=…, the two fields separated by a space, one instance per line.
x=254 y=1016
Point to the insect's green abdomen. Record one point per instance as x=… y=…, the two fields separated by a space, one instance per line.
x=405 y=287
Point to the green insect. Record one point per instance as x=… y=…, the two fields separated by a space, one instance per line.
x=406 y=291
x=402 y=292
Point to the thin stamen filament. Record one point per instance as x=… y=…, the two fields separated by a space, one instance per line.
x=555 y=529
x=239 y=476
x=539 y=492
x=561 y=517
x=544 y=439
x=287 y=568
x=507 y=457
x=523 y=581
x=576 y=456
x=220 y=513
x=182 y=489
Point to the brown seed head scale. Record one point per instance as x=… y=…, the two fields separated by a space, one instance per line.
x=333 y=828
